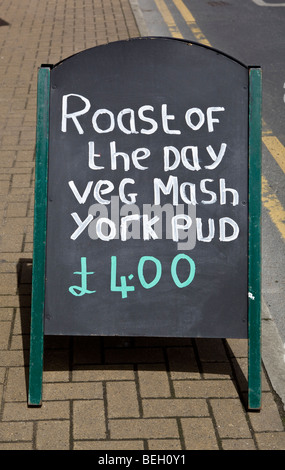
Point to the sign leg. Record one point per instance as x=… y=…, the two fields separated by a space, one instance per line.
x=254 y=254
x=38 y=280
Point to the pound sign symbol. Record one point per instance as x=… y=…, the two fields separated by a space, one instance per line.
x=77 y=290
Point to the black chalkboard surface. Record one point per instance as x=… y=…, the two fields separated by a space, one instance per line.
x=147 y=212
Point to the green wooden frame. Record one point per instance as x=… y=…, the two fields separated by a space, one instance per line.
x=254 y=244
x=39 y=250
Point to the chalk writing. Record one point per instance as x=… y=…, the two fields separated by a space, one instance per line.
x=123 y=287
x=177 y=192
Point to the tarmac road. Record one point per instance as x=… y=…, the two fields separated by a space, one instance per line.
x=254 y=35
x=251 y=31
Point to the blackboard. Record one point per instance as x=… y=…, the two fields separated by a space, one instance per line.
x=147 y=217
x=133 y=124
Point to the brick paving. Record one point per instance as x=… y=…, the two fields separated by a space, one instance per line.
x=99 y=393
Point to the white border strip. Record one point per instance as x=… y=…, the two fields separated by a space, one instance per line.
x=261 y=3
x=143 y=29
x=273 y=353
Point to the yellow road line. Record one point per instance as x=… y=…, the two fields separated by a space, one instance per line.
x=168 y=19
x=191 y=22
x=274 y=207
x=275 y=147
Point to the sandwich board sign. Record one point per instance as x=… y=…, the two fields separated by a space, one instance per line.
x=147 y=198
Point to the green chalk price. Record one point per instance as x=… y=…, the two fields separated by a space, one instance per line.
x=124 y=286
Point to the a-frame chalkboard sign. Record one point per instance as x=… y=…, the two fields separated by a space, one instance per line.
x=147 y=198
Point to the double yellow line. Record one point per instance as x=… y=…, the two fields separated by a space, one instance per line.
x=274 y=146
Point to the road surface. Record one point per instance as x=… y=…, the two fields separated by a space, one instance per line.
x=251 y=31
